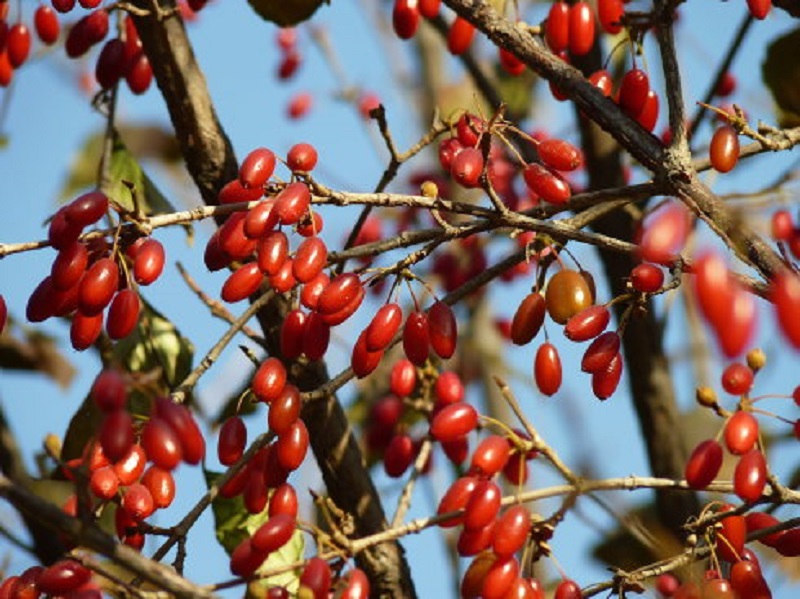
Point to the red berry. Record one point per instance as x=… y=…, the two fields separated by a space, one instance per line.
x=759 y=8
x=559 y=154
x=556 y=27
x=257 y=168
x=161 y=485
x=704 y=464
x=448 y=389
x=741 y=433
x=546 y=184
x=292 y=446
x=302 y=158
x=232 y=441
x=633 y=91
x=18 y=44
x=609 y=13
x=274 y=533
x=416 y=338
x=467 y=167
x=460 y=35
x=588 y=323
x=490 y=456
x=148 y=264
x=310 y=259
x=647 y=278
x=161 y=444
x=98 y=286
x=528 y=319
x=138 y=502
x=724 y=149
x=750 y=475
x=269 y=380
x=737 y=379
x=581 y=29
x=547 y=369
x=454 y=421
x=442 y=329
x=405 y=18
x=46 y=23
x=123 y=314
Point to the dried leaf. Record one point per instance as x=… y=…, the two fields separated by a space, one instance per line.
x=781 y=74
x=38 y=352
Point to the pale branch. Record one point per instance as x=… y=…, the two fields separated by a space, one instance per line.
x=536 y=440
x=92 y=537
x=722 y=70
x=672 y=83
x=395 y=161
x=404 y=501
x=180 y=393
x=216 y=307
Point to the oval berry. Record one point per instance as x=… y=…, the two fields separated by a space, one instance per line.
x=123 y=314
x=310 y=259
x=242 y=283
x=547 y=369
x=257 y=168
x=443 y=329
x=232 y=441
x=454 y=421
x=149 y=262
x=750 y=475
x=587 y=324
x=724 y=149
x=416 y=338
x=274 y=533
x=528 y=319
x=269 y=380
x=704 y=464
x=98 y=286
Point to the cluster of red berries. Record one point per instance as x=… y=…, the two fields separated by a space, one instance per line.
x=15 y=40
x=569 y=300
x=116 y=461
x=65 y=578
x=462 y=157
x=86 y=278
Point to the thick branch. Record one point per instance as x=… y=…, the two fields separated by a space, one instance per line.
x=209 y=157
x=95 y=539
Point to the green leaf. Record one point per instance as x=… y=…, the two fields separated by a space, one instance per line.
x=128 y=185
x=156 y=343
x=781 y=74
x=286 y=14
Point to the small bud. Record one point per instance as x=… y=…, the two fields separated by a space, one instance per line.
x=756 y=359
x=706 y=397
x=691 y=540
x=429 y=189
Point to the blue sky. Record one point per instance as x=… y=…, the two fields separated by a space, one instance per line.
x=48 y=117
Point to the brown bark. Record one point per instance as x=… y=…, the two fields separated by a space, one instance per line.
x=211 y=162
